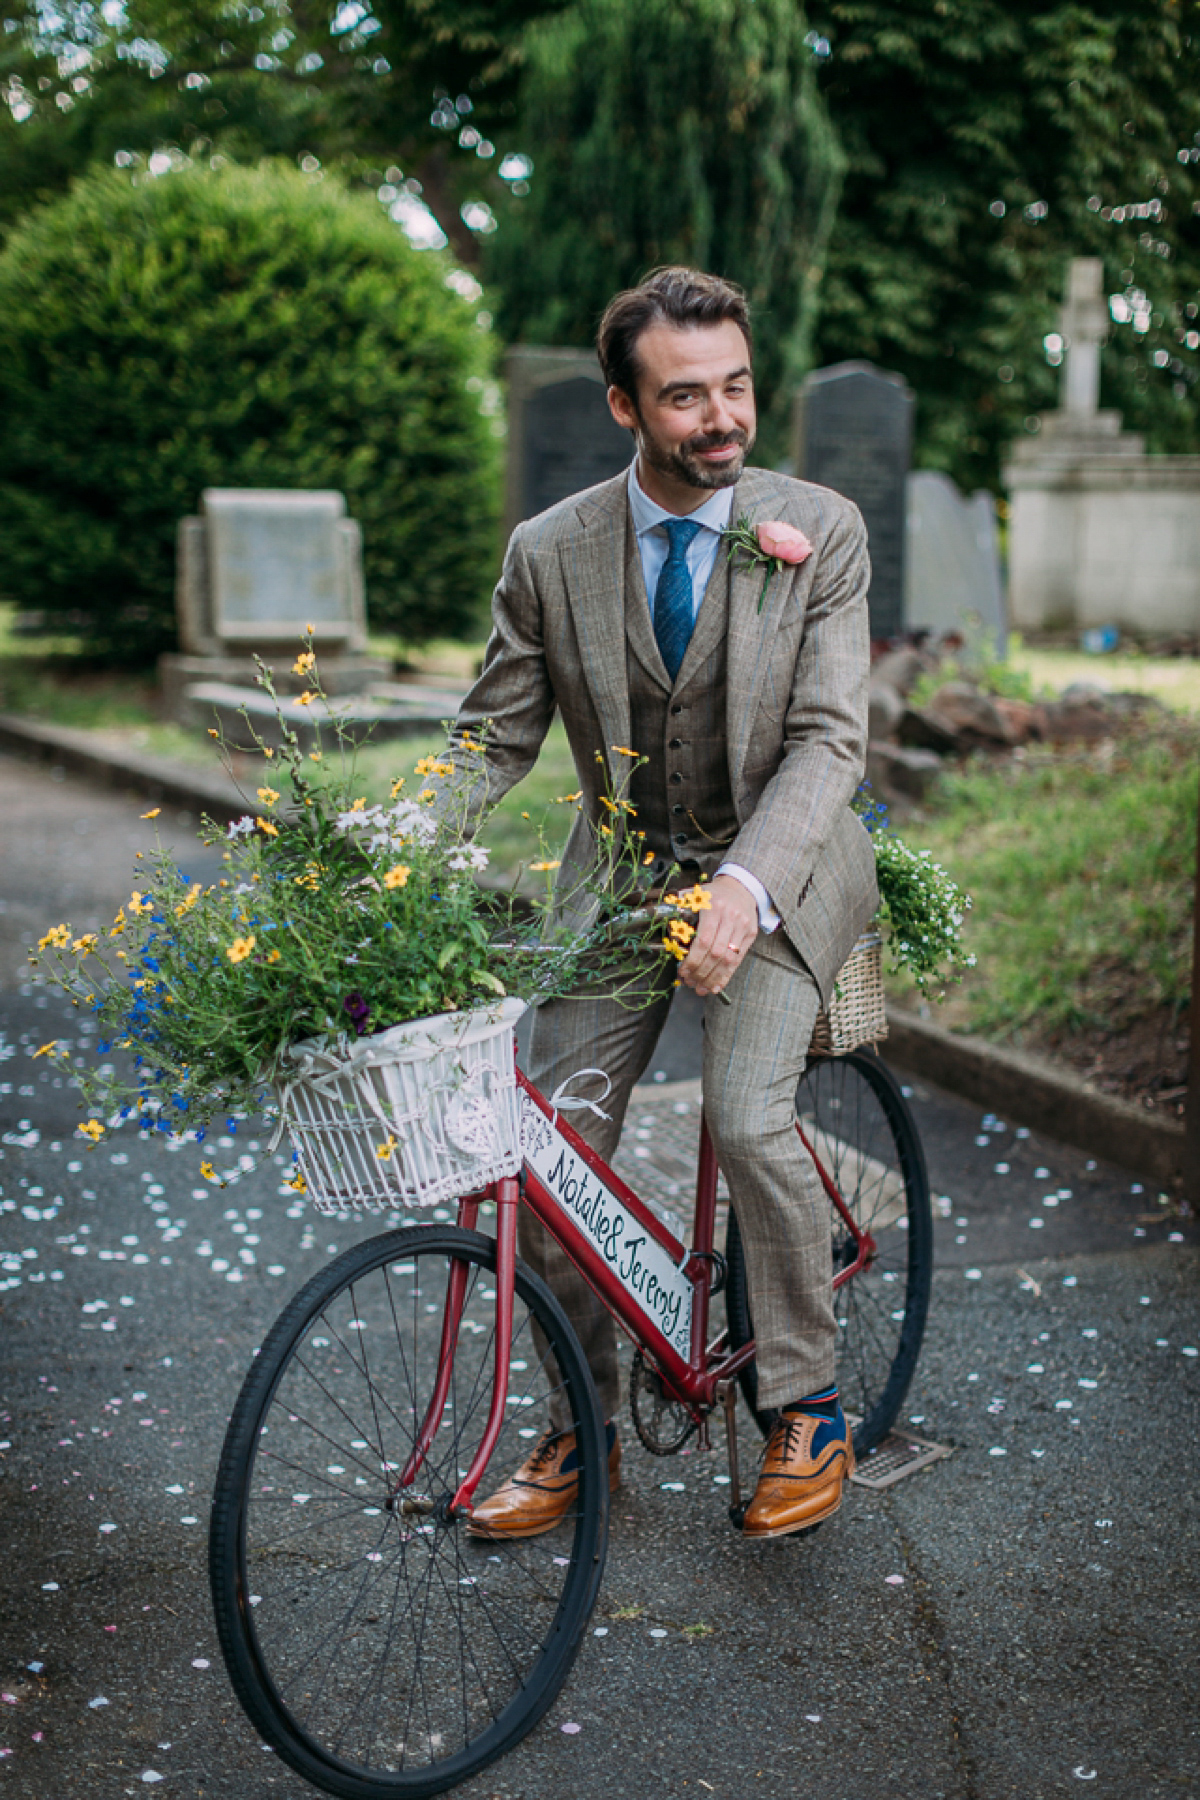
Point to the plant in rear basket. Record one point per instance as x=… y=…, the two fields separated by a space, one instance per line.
x=333 y=919
x=921 y=908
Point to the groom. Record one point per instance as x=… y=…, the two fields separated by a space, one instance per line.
x=619 y=608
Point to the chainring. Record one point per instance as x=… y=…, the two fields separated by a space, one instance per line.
x=662 y=1423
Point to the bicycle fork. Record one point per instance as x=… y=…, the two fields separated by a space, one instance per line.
x=507 y=1196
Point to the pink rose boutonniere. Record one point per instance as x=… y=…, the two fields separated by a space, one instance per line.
x=770 y=543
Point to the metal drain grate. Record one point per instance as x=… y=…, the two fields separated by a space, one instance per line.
x=897 y=1456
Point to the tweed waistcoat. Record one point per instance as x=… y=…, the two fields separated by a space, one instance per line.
x=682 y=794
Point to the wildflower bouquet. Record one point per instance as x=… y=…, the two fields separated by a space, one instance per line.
x=921 y=906
x=333 y=921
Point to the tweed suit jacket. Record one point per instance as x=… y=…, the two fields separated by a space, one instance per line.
x=794 y=709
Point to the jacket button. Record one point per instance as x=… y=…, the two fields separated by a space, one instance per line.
x=677 y=776
x=675 y=744
x=677 y=710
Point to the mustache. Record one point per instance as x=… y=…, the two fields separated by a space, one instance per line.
x=716 y=440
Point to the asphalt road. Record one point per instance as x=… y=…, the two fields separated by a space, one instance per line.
x=1019 y=1620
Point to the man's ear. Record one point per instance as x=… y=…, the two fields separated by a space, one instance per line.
x=622 y=408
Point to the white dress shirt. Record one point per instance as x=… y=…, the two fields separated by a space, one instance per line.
x=649 y=520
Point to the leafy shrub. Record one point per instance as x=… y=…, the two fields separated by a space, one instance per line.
x=234 y=328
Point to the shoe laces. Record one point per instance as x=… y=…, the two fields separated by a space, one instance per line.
x=785 y=1439
x=544 y=1450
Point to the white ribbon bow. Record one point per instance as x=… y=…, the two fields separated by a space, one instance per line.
x=562 y=1101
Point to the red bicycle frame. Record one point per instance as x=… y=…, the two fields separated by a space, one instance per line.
x=656 y=1288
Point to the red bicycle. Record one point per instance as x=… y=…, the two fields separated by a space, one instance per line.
x=374 y=1644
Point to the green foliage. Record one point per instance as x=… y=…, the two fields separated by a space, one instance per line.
x=670 y=131
x=1082 y=869
x=233 y=328
x=988 y=142
x=335 y=918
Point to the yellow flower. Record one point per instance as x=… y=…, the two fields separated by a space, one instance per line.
x=396 y=786
x=397 y=877
x=677 y=950
x=93 y=1129
x=305 y=699
x=268 y=796
x=308 y=631
x=631 y=810
x=570 y=798
x=273 y=957
x=384 y=1151
x=57 y=937
x=426 y=794
x=539 y=867
x=607 y=803
x=189 y=900
x=208 y=1172
x=45 y=1049
x=240 y=948
x=359 y=803
x=213 y=732
x=694 y=899
x=267 y=752
x=83 y=944
x=429 y=765
x=153 y=813
x=266 y=827
x=622 y=751
x=647 y=859
x=298 y=1183
x=118 y=924
x=139 y=905
x=303 y=663
x=681 y=931
x=316 y=756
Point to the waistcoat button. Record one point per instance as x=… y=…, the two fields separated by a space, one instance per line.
x=677 y=808
x=675 y=744
x=677 y=776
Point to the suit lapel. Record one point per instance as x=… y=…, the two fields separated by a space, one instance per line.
x=638 y=622
x=593 y=566
x=751 y=632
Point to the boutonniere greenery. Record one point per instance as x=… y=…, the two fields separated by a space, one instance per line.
x=770 y=544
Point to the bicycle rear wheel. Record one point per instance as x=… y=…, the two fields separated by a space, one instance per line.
x=381 y=1654
x=857 y=1120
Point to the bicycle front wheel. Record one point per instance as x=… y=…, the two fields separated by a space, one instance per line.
x=384 y=1653
x=852 y=1112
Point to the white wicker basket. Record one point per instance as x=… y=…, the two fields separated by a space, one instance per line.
x=411 y=1116
x=856 y=1014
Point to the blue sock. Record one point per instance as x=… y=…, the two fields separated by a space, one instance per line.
x=821 y=1405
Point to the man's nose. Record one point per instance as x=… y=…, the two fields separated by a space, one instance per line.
x=718 y=415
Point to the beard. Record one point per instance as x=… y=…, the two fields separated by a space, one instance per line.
x=681 y=462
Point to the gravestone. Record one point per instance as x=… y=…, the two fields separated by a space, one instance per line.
x=561 y=436
x=854 y=434
x=952 y=576
x=253 y=571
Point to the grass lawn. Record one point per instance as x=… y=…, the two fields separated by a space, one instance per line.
x=1081 y=864
x=1175 y=680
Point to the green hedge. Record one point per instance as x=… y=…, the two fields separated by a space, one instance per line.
x=237 y=328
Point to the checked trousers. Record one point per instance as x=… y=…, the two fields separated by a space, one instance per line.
x=755 y=1051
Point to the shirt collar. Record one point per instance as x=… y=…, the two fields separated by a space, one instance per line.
x=647 y=513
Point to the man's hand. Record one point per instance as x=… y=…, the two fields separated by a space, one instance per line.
x=724 y=933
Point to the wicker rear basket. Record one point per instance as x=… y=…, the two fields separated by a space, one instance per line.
x=856 y=1014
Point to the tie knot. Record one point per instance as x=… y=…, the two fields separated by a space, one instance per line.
x=680 y=533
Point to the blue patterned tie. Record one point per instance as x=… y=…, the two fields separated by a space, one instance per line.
x=673 y=611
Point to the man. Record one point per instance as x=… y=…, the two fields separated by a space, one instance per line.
x=620 y=608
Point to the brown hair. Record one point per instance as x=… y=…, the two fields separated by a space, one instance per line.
x=669 y=296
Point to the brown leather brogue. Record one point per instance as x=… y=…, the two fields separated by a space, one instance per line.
x=542 y=1491
x=808 y=1460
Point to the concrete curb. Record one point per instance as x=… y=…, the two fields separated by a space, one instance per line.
x=176 y=783
x=1027 y=1090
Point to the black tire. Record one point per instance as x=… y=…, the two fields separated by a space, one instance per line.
x=377 y=1655
x=869 y=1143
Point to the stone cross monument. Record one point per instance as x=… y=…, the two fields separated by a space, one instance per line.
x=1084 y=329
x=1100 y=533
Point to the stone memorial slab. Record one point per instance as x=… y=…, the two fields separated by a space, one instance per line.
x=561 y=436
x=952 y=578
x=854 y=434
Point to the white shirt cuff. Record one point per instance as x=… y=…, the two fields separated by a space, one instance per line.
x=768 y=918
